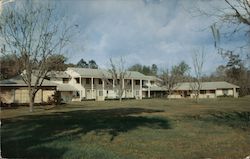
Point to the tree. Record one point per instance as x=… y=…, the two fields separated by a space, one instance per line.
x=237 y=73
x=198 y=61
x=136 y=67
x=118 y=72
x=233 y=18
x=9 y=66
x=92 y=64
x=56 y=62
x=172 y=77
x=82 y=63
x=154 y=70
x=180 y=69
x=221 y=72
x=234 y=66
x=169 y=80
x=33 y=32
x=146 y=70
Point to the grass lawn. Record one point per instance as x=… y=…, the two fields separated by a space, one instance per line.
x=146 y=129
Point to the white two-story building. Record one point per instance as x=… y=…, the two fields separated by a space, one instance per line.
x=78 y=84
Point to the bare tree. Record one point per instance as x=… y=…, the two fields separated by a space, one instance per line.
x=233 y=18
x=118 y=73
x=32 y=31
x=198 y=61
x=233 y=12
x=171 y=78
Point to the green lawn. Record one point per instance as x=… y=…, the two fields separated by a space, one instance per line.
x=150 y=128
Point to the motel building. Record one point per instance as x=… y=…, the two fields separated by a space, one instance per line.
x=97 y=84
x=207 y=90
x=78 y=84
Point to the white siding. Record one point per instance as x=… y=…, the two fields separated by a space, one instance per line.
x=220 y=92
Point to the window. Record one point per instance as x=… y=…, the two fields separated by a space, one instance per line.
x=65 y=80
x=202 y=92
x=77 y=80
x=110 y=81
x=137 y=82
x=237 y=90
x=152 y=82
x=211 y=91
x=100 y=81
x=77 y=94
x=130 y=82
x=88 y=80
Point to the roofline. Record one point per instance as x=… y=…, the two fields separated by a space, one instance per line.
x=89 y=76
x=209 y=82
x=233 y=85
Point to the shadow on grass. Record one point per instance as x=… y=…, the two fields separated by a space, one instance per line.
x=240 y=120
x=29 y=136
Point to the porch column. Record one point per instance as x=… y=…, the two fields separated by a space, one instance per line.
x=92 y=88
x=132 y=83
x=41 y=95
x=234 y=91
x=114 y=93
x=14 y=95
x=122 y=87
x=148 y=89
x=122 y=83
x=103 y=87
x=140 y=89
x=80 y=88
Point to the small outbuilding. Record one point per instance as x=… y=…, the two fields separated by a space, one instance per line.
x=207 y=90
x=15 y=90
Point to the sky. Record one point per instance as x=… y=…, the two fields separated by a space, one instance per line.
x=162 y=32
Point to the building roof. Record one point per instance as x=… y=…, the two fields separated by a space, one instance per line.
x=18 y=81
x=153 y=78
x=58 y=74
x=100 y=73
x=66 y=87
x=204 y=85
x=158 y=88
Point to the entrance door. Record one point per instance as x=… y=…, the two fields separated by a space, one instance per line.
x=185 y=94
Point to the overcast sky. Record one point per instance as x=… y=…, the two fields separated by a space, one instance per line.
x=161 y=32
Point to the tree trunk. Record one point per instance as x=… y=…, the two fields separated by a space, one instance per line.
x=32 y=101
x=197 y=97
x=120 y=95
x=169 y=94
